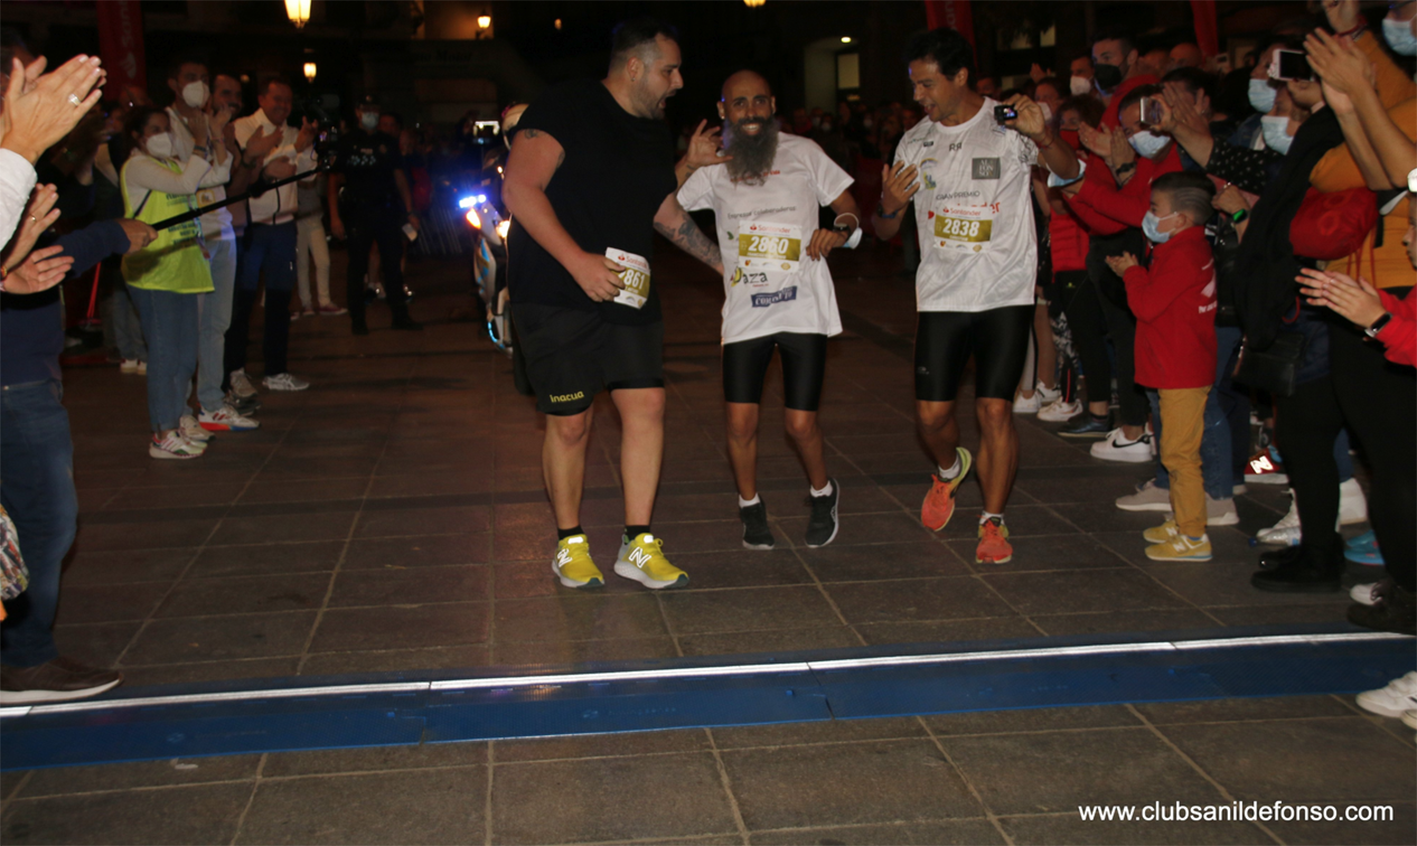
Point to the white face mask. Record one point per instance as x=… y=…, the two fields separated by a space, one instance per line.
x=1148 y=143
x=195 y=94
x=369 y=120
x=1151 y=225
x=1079 y=86
x=1262 y=95
x=1276 y=133
x=160 y=146
x=1399 y=37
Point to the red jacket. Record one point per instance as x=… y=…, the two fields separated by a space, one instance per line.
x=1125 y=207
x=1400 y=333
x=1068 y=240
x=1174 y=301
x=1097 y=172
x=1110 y=117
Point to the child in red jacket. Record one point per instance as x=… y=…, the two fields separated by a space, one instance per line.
x=1174 y=302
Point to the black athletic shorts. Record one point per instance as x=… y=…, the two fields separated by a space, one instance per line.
x=944 y=341
x=573 y=355
x=804 y=361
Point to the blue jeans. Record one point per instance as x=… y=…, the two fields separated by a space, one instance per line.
x=38 y=493
x=268 y=249
x=1216 y=459
x=121 y=321
x=170 y=324
x=214 y=316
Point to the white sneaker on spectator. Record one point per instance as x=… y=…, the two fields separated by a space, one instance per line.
x=1047 y=394
x=1240 y=489
x=1352 y=505
x=1399 y=697
x=133 y=365
x=173 y=446
x=331 y=310
x=1115 y=447
x=1220 y=512
x=1059 y=411
x=1286 y=532
x=226 y=419
x=192 y=431
x=284 y=382
x=1148 y=497
x=1027 y=405
x=241 y=384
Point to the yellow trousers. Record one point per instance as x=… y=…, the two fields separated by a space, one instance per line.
x=1182 y=423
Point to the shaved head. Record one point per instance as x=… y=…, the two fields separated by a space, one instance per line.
x=749 y=130
x=753 y=81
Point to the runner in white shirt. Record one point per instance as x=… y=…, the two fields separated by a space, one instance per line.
x=974 y=288
x=766 y=199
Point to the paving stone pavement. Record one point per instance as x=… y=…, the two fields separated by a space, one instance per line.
x=392 y=517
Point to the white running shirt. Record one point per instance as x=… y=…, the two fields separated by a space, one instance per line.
x=769 y=283
x=973 y=213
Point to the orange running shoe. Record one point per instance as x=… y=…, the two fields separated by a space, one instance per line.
x=939 y=503
x=994 y=547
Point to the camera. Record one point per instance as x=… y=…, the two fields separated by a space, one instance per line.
x=1003 y=113
x=1290 y=64
x=1151 y=111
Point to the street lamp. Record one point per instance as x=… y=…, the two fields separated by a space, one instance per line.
x=298 y=11
x=753 y=4
x=309 y=71
x=846 y=39
x=484 y=21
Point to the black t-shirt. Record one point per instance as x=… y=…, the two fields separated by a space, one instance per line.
x=617 y=171
x=368 y=162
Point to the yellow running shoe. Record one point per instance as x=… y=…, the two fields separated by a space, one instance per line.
x=1181 y=548
x=573 y=565
x=641 y=559
x=1161 y=534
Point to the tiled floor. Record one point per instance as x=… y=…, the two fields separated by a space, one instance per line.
x=392 y=517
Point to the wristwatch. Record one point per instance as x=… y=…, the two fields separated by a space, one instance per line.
x=1372 y=331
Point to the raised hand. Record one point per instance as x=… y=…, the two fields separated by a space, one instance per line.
x=1355 y=299
x=898 y=185
x=1121 y=264
x=704 y=146
x=40 y=271
x=1122 y=151
x=41 y=111
x=1097 y=141
x=1341 y=67
x=1030 y=122
x=308 y=130
x=259 y=145
x=1230 y=200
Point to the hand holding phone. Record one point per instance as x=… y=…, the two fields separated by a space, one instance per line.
x=1290 y=64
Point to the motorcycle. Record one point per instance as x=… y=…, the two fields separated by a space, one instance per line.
x=489 y=265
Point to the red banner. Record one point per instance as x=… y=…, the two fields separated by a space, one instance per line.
x=954 y=14
x=120 y=44
x=1207 y=34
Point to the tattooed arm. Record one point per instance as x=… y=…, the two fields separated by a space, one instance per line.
x=674 y=223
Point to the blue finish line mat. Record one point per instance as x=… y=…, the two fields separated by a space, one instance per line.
x=305 y=713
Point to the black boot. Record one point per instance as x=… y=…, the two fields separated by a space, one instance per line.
x=402 y=320
x=356 y=322
x=1276 y=558
x=1395 y=611
x=1312 y=570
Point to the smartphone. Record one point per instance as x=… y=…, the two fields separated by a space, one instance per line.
x=1290 y=64
x=1003 y=113
x=409 y=232
x=1151 y=111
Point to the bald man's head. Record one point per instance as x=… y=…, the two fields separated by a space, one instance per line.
x=753 y=79
x=750 y=133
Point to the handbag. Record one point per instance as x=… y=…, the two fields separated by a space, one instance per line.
x=14 y=576
x=1329 y=226
x=1274 y=368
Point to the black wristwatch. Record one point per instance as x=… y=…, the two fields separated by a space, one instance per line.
x=1372 y=331
x=1126 y=167
x=1240 y=216
x=881 y=213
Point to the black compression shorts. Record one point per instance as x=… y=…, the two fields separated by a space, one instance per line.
x=572 y=355
x=804 y=362
x=944 y=341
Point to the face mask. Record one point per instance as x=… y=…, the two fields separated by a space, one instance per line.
x=1047 y=111
x=868 y=123
x=826 y=127
x=195 y=94
x=1262 y=95
x=160 y=146
x=1108 y=76
x=1071 y=136
x=1150 y=225
x=1079 y=86
x=369 y=120
x=1276 y=134
x=1148 y=143
x=1399 y=37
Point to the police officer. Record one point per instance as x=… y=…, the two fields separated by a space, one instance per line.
x=375 y=209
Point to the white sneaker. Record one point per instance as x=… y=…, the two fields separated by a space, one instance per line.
x=1220 y=512
x=284 y=382
x=173 y=446
x=1352 y=505
x=241 y=384
x=1148 y=497
x=1027 y=405
x=1115 y=447
x=1287 y=531
x=1240 y=489
x=226 y=419
x=1047 y=395
x=1365 y=594
x=1059 y=411
x=1399 y=697
x=1409 y=718
x=133 y=365
x=193 y=432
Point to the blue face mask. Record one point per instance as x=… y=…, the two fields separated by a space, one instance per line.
x=1150 y=225
x=1148 y=143
x=1276 y=136
x=1399 y=37
x=1262 y=95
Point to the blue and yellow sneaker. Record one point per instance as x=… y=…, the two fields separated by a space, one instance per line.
x=573 y=565
x=642 y=559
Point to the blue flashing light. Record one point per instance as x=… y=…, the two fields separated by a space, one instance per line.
x=481 y=198
x=468 y=202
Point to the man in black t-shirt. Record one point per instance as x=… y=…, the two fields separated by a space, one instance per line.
x=376 y=205
x=591 y=178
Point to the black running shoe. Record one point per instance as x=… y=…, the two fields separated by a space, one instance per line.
x=756 y=534
x=822 y=525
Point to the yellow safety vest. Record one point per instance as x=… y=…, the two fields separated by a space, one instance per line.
x=174 y=261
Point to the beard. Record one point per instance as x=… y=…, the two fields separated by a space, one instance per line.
x=752 y=154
